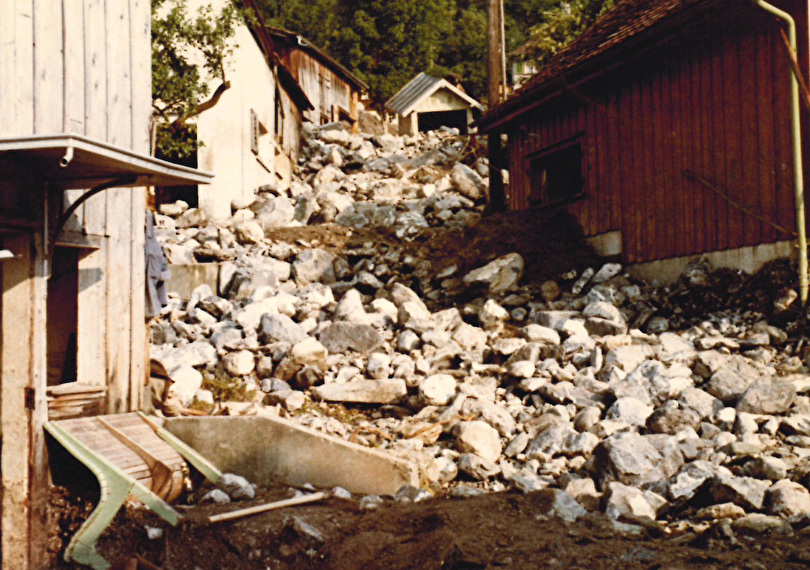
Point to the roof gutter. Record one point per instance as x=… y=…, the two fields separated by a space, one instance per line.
x=798 y=174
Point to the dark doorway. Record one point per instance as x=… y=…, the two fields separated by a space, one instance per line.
x=63 y=316
x=453 y=119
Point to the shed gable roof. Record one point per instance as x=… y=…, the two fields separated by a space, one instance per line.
x=627 y=20
x=420 y=88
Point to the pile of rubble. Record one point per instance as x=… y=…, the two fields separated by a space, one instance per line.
x=574 y=384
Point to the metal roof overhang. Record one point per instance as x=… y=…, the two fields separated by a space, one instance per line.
x=76 y=162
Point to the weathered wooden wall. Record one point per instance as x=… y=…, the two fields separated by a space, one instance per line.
x=83 y=67
x=308 y=70
x=713 y=100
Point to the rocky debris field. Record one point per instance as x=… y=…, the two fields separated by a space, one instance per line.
x=373 y=300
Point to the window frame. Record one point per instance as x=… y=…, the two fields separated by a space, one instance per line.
x=547 y=153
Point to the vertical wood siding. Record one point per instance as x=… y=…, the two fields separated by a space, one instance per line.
x=308 y=72
x=84 y=67
x=718 y=106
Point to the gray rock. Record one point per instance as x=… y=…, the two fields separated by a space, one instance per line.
x=239 y=363
x=249 y=233
x=622 y=501
x=237 y=487
x=767 y=397
x=467 y=182
x=350 y=308
x=341 y=337
x=630 y=459
x=671 y=420
x=479 y=438
x=747 y=492
x=563 y=505
x=363 y=391
x=603 y=310
x=787 y=499
x=499 y=275
x=477 y=467
x=314 y=266
x=280 y=328
x=550 y=441
x=757 y=524
x=538 y=333
x=215 y=496
x=628 y=358
x=276 y=212
x=731 y=381
x=701 y=401
x=630 y=410
x=691 y=477
x=378 y=366
x=438 y=390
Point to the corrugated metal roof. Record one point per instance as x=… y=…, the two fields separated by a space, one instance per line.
x=420 y=87
x=411 y=93
x=626 y=20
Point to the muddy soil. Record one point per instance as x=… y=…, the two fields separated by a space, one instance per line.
x=501 y=530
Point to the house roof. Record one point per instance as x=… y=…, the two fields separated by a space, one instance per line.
x=420 y=88
x=303 y=43
x=629 y=20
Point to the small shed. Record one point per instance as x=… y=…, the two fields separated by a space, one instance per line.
x=427 y=103
x=665 y=129
x=333 y=90
x=74 y=160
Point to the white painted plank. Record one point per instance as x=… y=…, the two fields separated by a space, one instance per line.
x=48 y=67
x=24 y=66
x=119 y=209
x=139 y=351
x=17 y=299
x=8 y=22
x=74 y=65
x=140 y=15
x=119 y=74
x=95 y=103
x=92 y=317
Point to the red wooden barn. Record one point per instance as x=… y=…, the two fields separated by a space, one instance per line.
x=665 y=129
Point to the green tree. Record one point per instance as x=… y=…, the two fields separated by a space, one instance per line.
x=189 y=55
x=562 y=25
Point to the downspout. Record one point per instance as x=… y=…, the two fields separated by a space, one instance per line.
x=798 y=173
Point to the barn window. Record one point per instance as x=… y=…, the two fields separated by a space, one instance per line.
x=555 y=174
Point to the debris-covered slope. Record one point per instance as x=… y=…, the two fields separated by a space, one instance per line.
x=373 y=300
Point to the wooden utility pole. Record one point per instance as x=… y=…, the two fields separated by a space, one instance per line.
x=497 y=199
x=493 y=52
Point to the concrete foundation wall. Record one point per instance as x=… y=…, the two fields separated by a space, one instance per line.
x=748 y=259
x=267 y=449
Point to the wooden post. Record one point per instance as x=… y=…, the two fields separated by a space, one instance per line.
x=23 y=408
x=493 y=52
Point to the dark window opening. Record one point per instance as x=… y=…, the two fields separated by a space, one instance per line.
x=279 y=127
x=189 y=194
x=556 y=175
x=436 y=119
x=63 y=316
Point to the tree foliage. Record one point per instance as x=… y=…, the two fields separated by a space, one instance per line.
x=562 y=25
x=387 y=42
x=189 y=57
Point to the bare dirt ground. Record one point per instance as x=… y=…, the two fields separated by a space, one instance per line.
x=501 y=530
